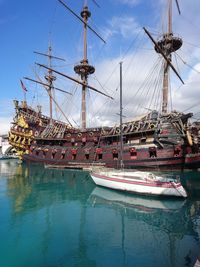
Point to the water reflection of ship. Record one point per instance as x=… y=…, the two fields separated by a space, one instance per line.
x=62 y=185
x=168 y=228
x=35 y=190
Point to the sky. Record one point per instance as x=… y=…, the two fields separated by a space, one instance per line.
x=27 y=26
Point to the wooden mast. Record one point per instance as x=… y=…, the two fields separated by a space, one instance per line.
x=84 y=69
x=166 y=46
x=166 y=64
x=50 y=78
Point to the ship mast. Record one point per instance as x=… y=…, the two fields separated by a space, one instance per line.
x=166 y=65
x=84 y=69
x=168 y=44
x=50 y=78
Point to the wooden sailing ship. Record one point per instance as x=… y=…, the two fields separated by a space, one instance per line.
x=155 y=141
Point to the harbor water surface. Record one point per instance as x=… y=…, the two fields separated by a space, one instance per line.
x=51 y=218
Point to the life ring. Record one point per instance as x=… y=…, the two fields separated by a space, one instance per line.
x=68 y=135
x=91 y=134
x=36 y=133
x=79 y=134
x=189 y=138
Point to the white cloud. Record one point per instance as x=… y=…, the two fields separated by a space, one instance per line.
x=124 y=26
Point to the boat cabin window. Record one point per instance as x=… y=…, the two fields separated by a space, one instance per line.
x=74 y=152
x=100 y=156
x=73 y=156
x=115 y=154
x=177 y=151
x=87 y=154
x=152 y=152
x=133 y=153
x=53 y=153
x=62 y=154
x=99 y=153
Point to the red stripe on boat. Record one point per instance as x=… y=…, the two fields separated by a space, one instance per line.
x=145 y=183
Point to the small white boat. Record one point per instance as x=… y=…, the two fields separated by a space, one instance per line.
x=138 y=182
x=135 y=181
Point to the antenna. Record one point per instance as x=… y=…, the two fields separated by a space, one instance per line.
x=78 y=17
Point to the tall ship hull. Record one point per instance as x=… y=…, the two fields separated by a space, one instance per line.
x=153 y=142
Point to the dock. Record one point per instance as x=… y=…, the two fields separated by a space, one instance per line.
x=76 y=166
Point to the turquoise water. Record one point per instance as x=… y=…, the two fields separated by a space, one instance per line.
x=51 y=218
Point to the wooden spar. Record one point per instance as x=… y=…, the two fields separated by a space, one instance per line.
x=95 y=2
x=161 y=52
x=177 y=4
x=56 y=104
x=50 y=78
x=44 y=84
x=43 y=54
x=75 y=80
x=85 y=23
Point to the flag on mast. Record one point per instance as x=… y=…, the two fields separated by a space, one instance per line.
x=23 y=86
